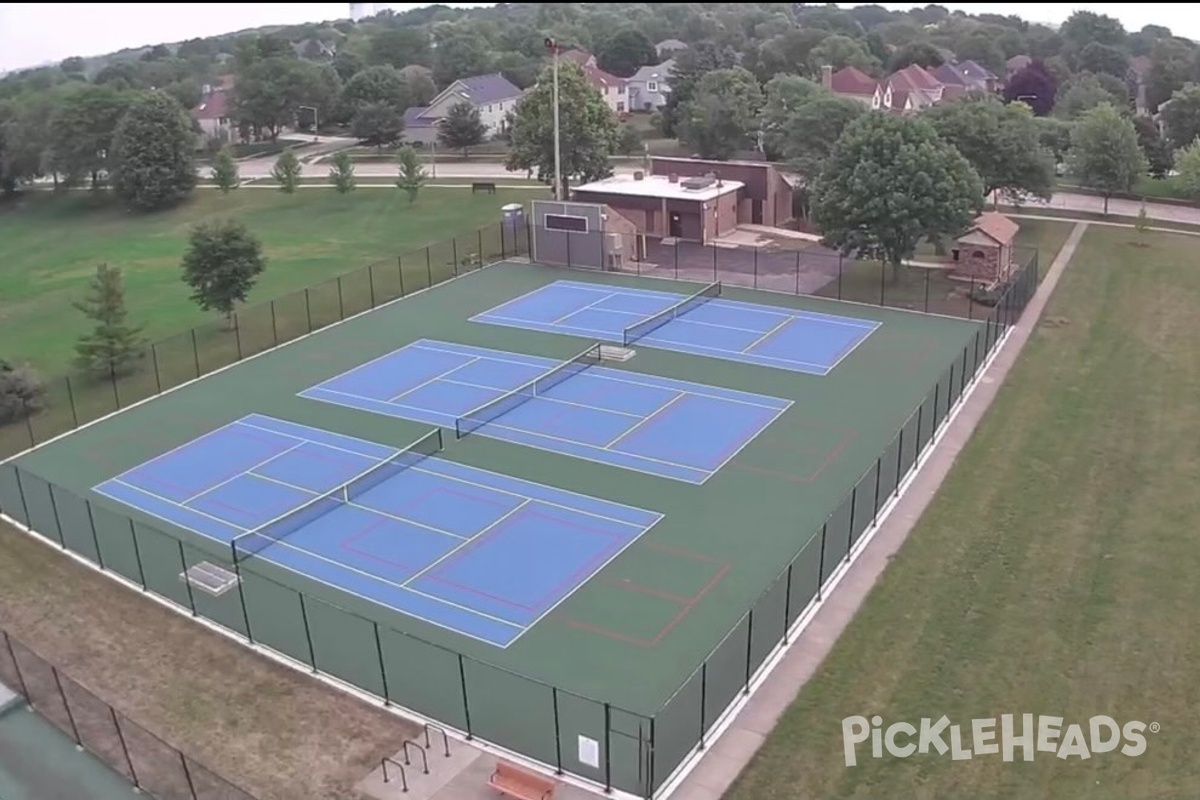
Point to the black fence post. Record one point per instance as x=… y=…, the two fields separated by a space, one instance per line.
x=92 y=526
x=971 y=300
x=821 y=561
x=195 y=353
x=274 y=326
x=27 y=412
x=878 y=475
x=454 y=255
x=920 y=422
x=703 y=700
x=66 y=705
x=650 y=766
x=479 y=246
x=937 y=400
x=899 y=461
x=187 y=773
x=951 y=398
x=927 y=282
x=675 y=248
x=154 y=363
x=749 y=648
x=371 y=282
x=17 y=666
x=186 y=582
x=308 y=310
x=341 y=303
x=462 y=679
x=841 y=260
x=112 y=376
x=882 y=282
x=400 y=270
x=312 y=651
x=797 y=272
x=787 y=603
x=558 y=768
x=607 y=749
x=850 y=527
x=387 y=701
x=237 y=334
x=428 y=265
x=57 y=522
x=716 y=257
x=503 y=243
x=137 y=555
x=24 y=503
x=71 y=401
x=124 y=748
x=755 y=266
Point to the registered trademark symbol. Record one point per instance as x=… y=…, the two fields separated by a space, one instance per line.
x=1155 y=727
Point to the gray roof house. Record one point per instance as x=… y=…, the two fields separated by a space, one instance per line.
x=494 y=95
x=649 y=87
x=668 y=47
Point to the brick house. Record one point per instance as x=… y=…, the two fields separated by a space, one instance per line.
x=214 y=114
x=766 y=197
x=986 y=253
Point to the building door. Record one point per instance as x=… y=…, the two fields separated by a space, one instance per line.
x=756 y=212
x=675 y=228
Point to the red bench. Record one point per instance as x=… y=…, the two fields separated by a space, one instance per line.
x=519 y=783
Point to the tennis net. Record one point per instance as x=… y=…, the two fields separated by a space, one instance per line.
x=477 y=418
x=255 y=541
x=639 y=329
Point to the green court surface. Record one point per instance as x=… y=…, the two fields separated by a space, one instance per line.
x=39 y=762
x=628 y=646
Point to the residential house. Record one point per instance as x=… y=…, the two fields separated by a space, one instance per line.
x=1015 y=65
x=610 y=87
x=214 y=114
x=649 y=87
x=669 y=48
x=315 y=50
x=494 y=95
x=853 y=83
x=922 y=88
x=909 y=89
x=963 y=77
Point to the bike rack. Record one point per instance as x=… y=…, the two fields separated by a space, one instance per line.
x=421 y=750
x=445 y=739
x=403 y=778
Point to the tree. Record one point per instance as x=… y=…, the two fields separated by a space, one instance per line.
x=1034 y=86
x=722 y=117
x=412 y=173
x=1084 y=27
x=629 y=140
x=922 y=54
x=839 y=52
x=1054 y=135
x=1142 y=223
x=153 y=149
x=379 y=124
x=1187 y=162
x=889 y=183
x=588 y=130
x=1086 y=90
x=286 y=171
x=225 y=171
x=221 y=265
x=398 y=47
x=348 y=63
x=982 y=47
x=1181 y=116
x=1103 y=59
x=1000 y=142
x=82 y=130
x=460 y=53
x=342 y=172
x=22 y=392
x=1105 y=155
x=270 y=91
x=625 y=51
x=1172 y=64
x=113 y=345
x=376 y=85
x=1159 y=157
x=461 y=128
x=419 y=85
x=690 y=66
x=786 y=54
x=74 y=65
x=801 y=121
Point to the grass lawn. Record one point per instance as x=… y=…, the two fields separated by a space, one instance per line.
x=53 y=244
x=1054 y=574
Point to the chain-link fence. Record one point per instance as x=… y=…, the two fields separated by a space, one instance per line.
x=76 y=399
x=145 y=760
x=637 y=752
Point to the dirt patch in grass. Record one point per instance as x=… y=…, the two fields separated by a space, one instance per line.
x=275 y=732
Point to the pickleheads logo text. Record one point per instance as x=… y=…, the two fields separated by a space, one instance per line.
x=1006 y=737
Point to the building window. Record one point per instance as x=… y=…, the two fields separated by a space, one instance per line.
x=565 y=222
x=620 y=106
x=651 y=86
x=489 y=108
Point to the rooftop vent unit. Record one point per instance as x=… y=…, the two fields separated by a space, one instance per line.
x=697 y=184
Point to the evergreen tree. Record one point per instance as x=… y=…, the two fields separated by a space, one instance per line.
x=342 y=172
x=113 y=345
x=287 y=172
x=412 y=173
x=225 y=171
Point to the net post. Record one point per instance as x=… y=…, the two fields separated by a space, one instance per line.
x=651 y=760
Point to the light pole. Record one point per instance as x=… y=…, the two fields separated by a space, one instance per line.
x=553 y=47
x=316 y=125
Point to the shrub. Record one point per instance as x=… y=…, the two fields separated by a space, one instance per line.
x=22 y=392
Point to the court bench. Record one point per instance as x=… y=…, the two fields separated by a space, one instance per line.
x=520 y=783
x=487 y=188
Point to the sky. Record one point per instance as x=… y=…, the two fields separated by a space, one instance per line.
x=36 y=33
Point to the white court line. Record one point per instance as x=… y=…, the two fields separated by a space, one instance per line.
x=615 y=377
x=171 y=502
x=334 y=446
x=552 y=400
x=585 y=308
x=767 y=335
x=451 y=553
x=362 y=507
x=647 y=419
x=223 y=429
x=245 y=471
x=434 y=379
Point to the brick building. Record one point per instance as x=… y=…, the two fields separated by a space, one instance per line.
x=986 y=253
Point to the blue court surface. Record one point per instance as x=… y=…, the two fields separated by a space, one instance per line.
x=473 y=551
x=668 y=428
x=769 y=336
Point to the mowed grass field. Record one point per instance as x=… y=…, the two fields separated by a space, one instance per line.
x=53 y=243
x=1056 y=571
